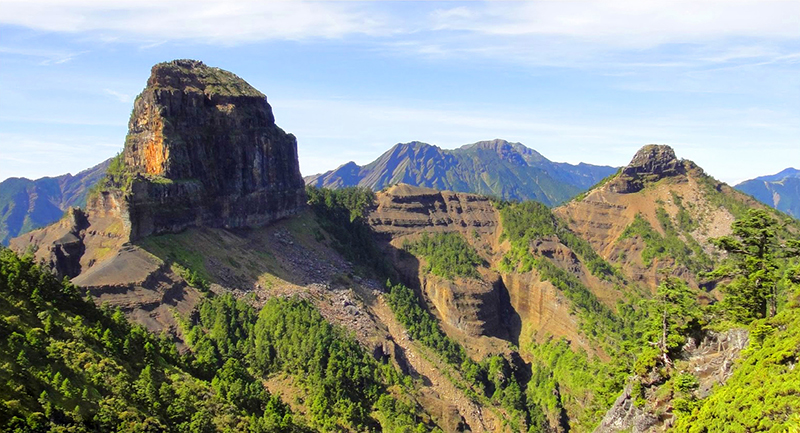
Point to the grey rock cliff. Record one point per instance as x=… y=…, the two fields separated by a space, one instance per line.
x=204 y=150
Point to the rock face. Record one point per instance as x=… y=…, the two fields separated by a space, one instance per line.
x=204 y=150
x=405 y=209
x=651 y=163
x=712 y=362
x=496 y=304
x=473 y=306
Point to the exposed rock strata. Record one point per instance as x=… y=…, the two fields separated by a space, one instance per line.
x=651 y=163
x=405 y=209
x=205 y=151
x=494 y=305
x=654 y=180
x=202 y=150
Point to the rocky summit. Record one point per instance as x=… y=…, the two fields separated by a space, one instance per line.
x=651 y=163
x=202 y=150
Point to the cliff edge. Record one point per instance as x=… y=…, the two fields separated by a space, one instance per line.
x=202 y=150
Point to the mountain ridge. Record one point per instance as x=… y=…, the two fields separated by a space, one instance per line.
x=491 y=167
x=30 y=204
x=780 y=191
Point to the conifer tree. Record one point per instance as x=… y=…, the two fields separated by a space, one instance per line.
x=673 y=312
x=753 y=272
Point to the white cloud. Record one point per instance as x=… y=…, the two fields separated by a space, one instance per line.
x=23 y=156
x=212 y=21
x=121 y=97
x=633 y=24
x=48 y=56
x=612 y=36
x=609 y=23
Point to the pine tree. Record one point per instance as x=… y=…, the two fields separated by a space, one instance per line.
x=673 y=312
x=754 y=250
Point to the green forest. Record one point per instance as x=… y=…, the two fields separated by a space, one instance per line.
x=68 y=365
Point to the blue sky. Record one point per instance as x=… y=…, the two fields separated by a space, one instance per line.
x=592 y=82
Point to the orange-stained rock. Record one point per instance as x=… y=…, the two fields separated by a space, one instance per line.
x=202 y=149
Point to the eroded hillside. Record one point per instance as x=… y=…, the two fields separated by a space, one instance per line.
x=658 y=213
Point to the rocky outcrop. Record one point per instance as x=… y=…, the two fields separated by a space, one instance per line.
x=204 y=150
x=711 y=361
x=624 y=415
x=651 y=163
x=405 y=209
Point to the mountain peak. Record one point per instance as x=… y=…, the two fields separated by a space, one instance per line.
x=495 y=144
x=654 y=159
x=187 y=75
x=783 y=174
x=514 y=152
x=202 y=149
x=650 y=164
x=780 y=190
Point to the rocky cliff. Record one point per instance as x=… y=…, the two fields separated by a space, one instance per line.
x=712 y=362
x=497 y=304
x=650 y=164
x=202 y=149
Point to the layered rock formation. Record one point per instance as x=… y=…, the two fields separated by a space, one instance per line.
x=680 y=205
x=651 y=163
x=202 y=149
x=496 y=304
x=405 y=209
x=474 y=307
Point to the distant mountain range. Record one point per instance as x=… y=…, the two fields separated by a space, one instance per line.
x=497 y=168
x=781 y=190
x=29 y=204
